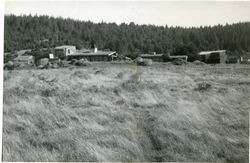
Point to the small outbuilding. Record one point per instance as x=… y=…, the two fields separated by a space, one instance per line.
x=218 y=56
x=63 y=51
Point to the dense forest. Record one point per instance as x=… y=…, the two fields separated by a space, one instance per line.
x=30 y=32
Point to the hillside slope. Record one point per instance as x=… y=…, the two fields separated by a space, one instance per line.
x=29 y=32
x=112 y=112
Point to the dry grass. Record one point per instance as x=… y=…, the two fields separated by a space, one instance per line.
x=127 y=113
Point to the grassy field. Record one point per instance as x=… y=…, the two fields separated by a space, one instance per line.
x=118 y=112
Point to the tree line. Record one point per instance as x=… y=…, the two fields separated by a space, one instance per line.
x=34 y=32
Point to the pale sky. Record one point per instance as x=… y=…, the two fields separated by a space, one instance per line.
x=186 y=14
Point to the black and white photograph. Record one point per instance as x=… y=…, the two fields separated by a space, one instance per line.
x=125 y=81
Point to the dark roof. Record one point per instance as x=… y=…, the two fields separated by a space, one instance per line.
x=151 y=55
x=98 y=53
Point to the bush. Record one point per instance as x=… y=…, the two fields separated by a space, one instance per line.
x=9 y=65
x=197 y=62
x=179 y=62
x=63 y=63
x=54 y=65
x=43 y=63
x=73 y=61
x=204 y=86
x=9 y=57
x=147 y=62
x=139 y=60
x=143 y=62
x=82 y=62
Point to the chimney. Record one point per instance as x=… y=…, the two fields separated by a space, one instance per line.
x=154 y=53
x=95 y=50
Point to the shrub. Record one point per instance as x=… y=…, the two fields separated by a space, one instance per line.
x=9 y=65
x=147 y=62
x=82 y=62
x=63 y=63
x=179 y=62
x=204 y=86
x=73 y=61
x=43 y=63
x=197 y=62
x=143 y=62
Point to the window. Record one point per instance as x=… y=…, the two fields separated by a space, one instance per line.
x=68 y=51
